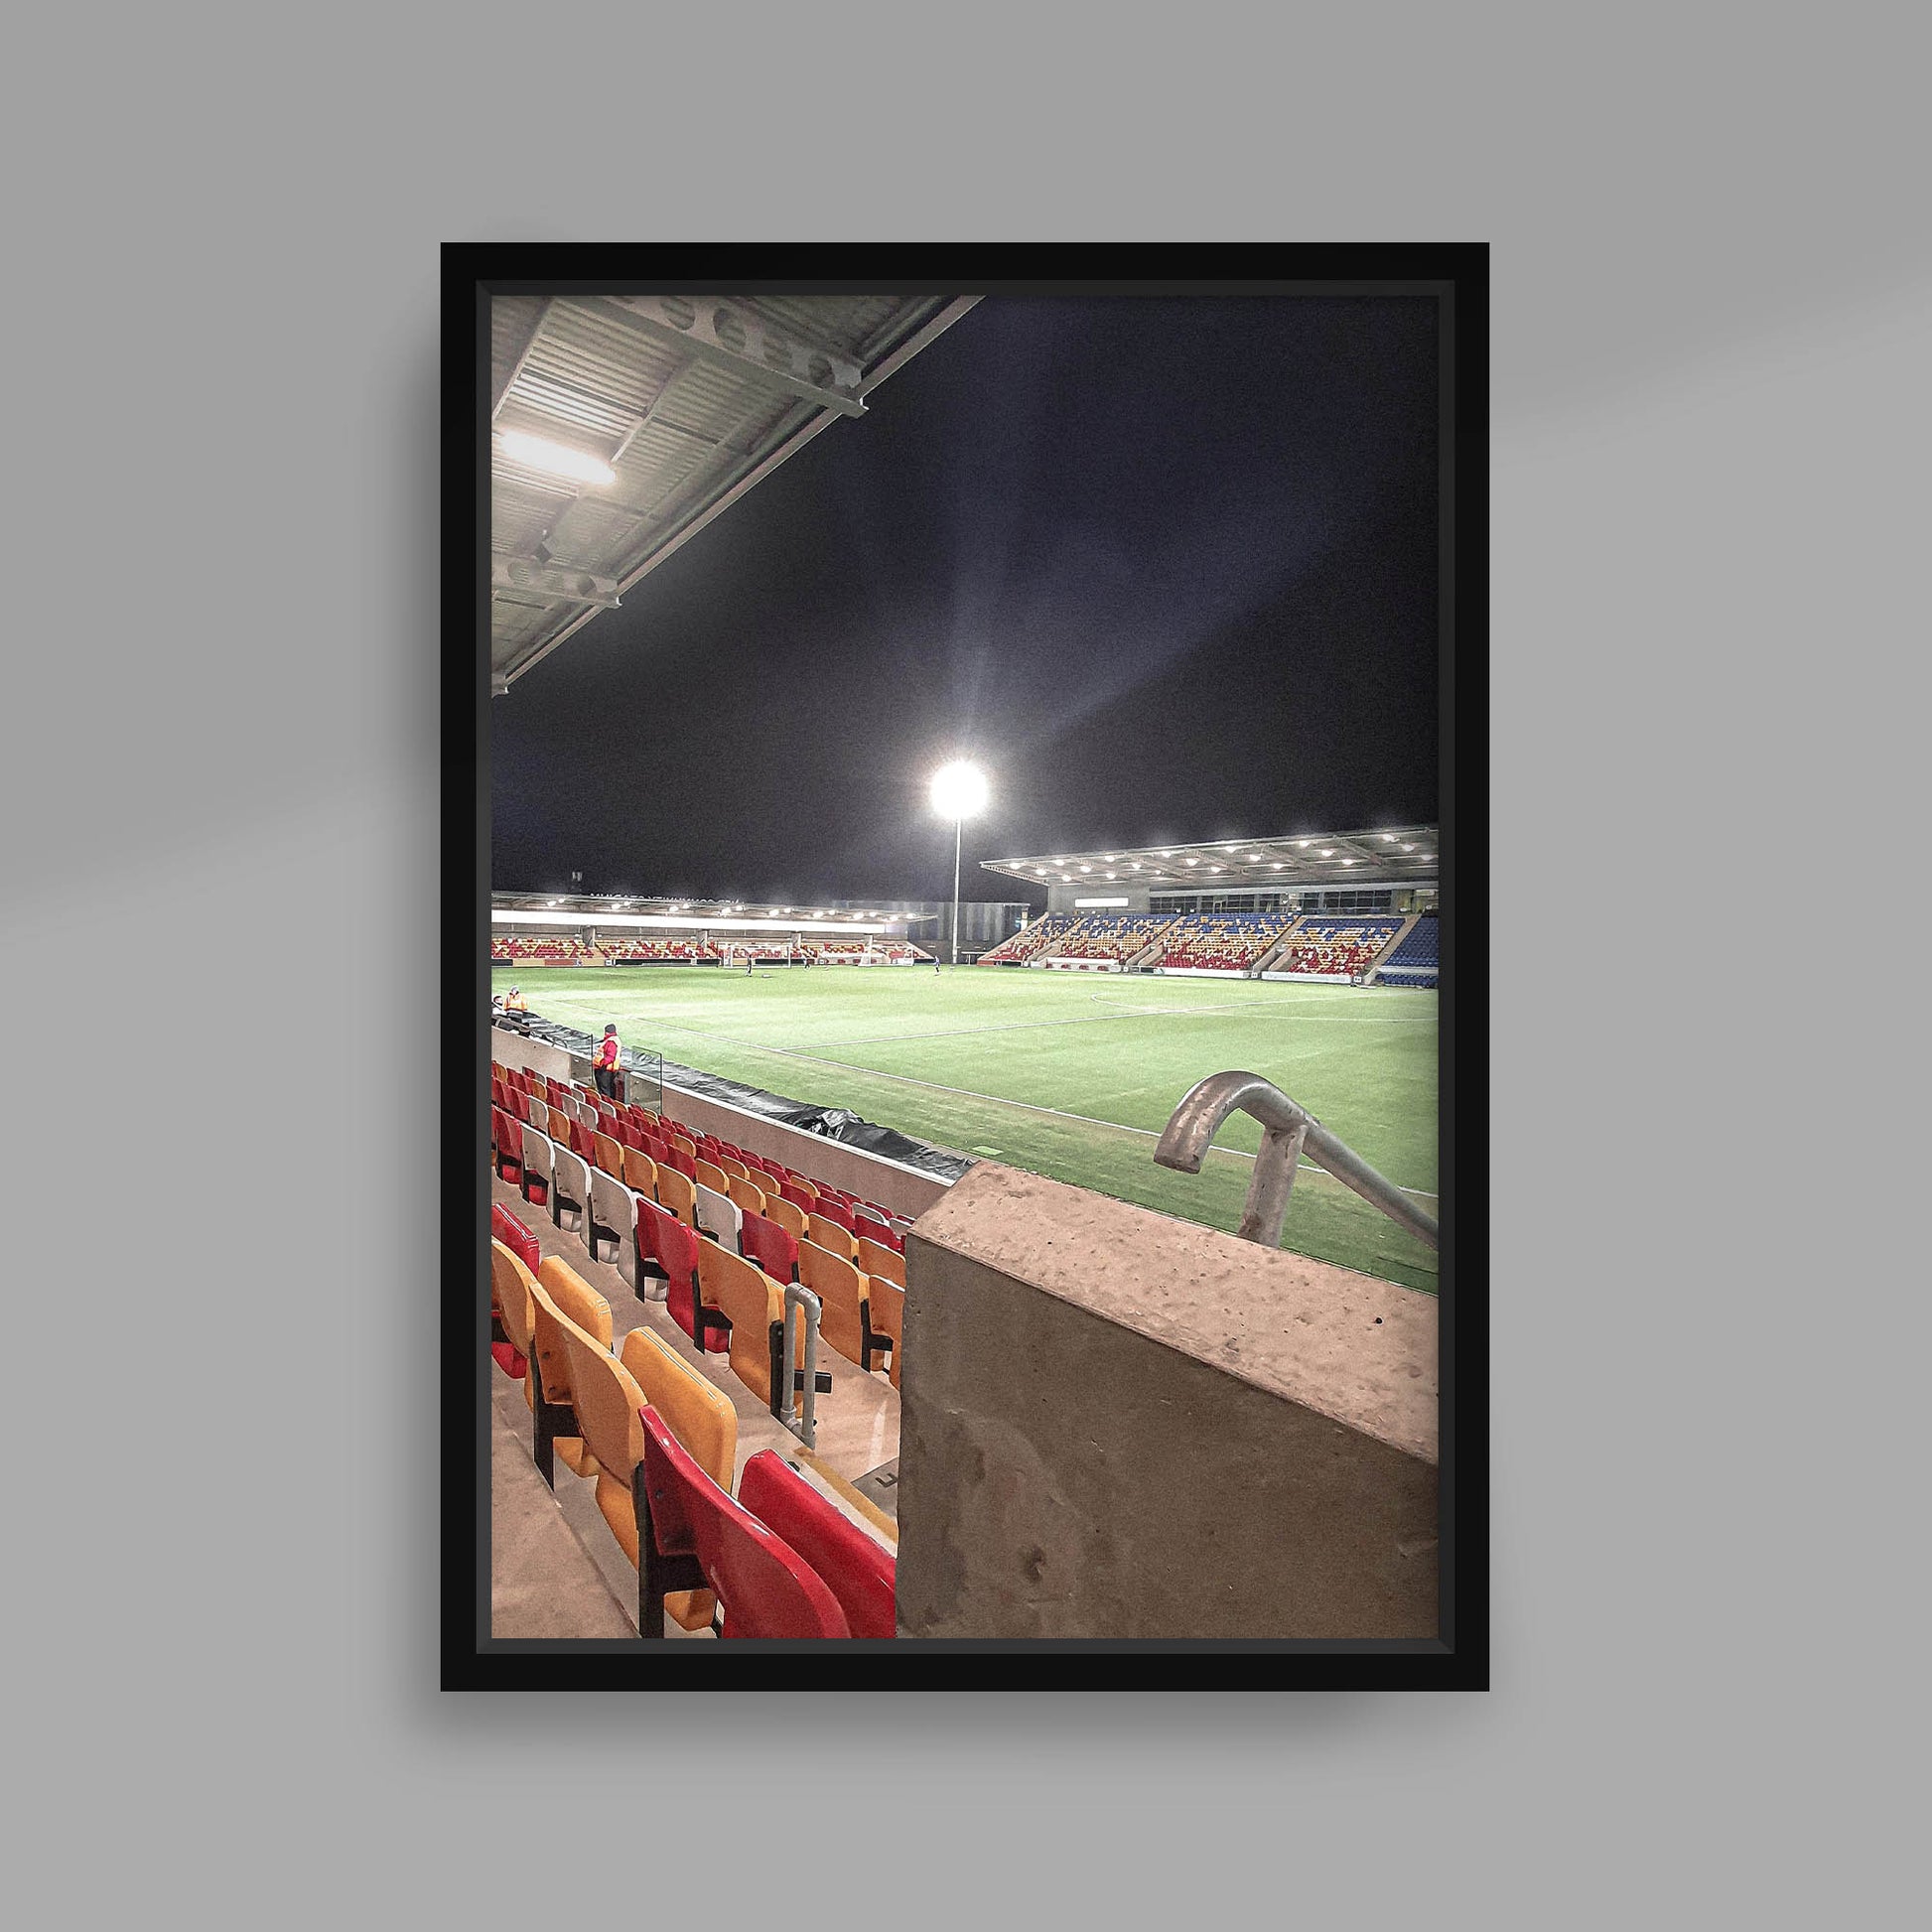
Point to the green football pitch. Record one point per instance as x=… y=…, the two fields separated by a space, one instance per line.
x=1070 y=1076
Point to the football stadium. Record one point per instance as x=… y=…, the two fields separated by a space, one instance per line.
x=1053 y=1257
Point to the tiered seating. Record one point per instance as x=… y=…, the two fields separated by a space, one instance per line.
x=629 y=951
x=515 y=949
x=834 y=952
x=1417 y=961
x=1110 y=935
x=1223 y=941
x=1339 y=947
x=653 y=1434
x=1030 y=941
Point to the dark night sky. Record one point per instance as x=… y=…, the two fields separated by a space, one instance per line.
x=1165 y=569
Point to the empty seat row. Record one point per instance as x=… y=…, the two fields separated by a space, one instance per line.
x=659 y=1442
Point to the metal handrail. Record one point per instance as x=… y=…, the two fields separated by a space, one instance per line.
x=1289 y=1131
x=799 y=1302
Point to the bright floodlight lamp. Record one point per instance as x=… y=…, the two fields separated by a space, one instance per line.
x=958 y=793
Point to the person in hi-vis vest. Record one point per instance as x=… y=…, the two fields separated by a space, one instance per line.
x=605 y=1067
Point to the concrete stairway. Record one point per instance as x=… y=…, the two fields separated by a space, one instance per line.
x=1266 y=962
x=1151 y=953
x=1402 y=932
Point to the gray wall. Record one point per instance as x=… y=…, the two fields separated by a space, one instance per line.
x=1214 y=1441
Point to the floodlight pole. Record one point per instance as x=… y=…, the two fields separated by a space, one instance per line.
x=955 y=890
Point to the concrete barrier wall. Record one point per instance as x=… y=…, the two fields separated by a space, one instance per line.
x=905 y=1190
x=510 y=1049
x=1118 y=1425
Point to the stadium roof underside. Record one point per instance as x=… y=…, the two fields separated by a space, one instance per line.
x=1404 y=854
x=683 y=403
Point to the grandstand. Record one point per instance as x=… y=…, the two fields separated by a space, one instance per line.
x=1335 y=949
x=1220 y=942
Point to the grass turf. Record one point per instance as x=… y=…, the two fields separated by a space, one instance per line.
x=1055 y=1071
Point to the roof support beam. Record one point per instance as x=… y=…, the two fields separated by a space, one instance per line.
x=522 y=355
x=738 y=340
x=552 y=581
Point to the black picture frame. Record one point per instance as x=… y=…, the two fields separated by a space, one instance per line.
x=1457 y=276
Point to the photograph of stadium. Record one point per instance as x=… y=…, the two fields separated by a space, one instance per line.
x=971 y=904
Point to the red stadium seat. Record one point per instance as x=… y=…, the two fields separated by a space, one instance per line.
x=692 y=1535
x=767 y=1243
x=674 y=1248
x=510 y=1148
x=861 y=1574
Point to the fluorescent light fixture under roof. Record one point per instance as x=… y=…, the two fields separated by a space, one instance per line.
x=540 y=453
x=1193 y=862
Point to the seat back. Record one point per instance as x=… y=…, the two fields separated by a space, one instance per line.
x=570 y=1181
x=717 y=1213
x=510 y=1283
x=538 y=1158
x=835 y=1210
x=711 y=1175
x=855 y=1568
x=732 y=1165
x=832 y=1236
x=613 y=1208
x=506 y=1228
x=770 y=1246
x=676 y=1249
x=886 y=1263
x=768 y=1590
x=700 y=1414
x=702 y=1418
x=640 y=1171
x=749 y=1197
x=799 y=1191
x=608 y=1405
x=868 y=1226
x=608 y=1152
x=750 y=1300
x=677 y=1194
x=562 y=1292
x=841 y=1291
x=680 y=1157
x=789 y=1215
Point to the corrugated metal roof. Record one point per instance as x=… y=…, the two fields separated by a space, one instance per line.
x=689 y=400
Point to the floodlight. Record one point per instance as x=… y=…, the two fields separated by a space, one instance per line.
x=960 y=790
x=538 y=453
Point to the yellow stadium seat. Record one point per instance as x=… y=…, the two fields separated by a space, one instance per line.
x=677 y=1195
x=877 y=1259
x=832 y=1237
x=558 y=1294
